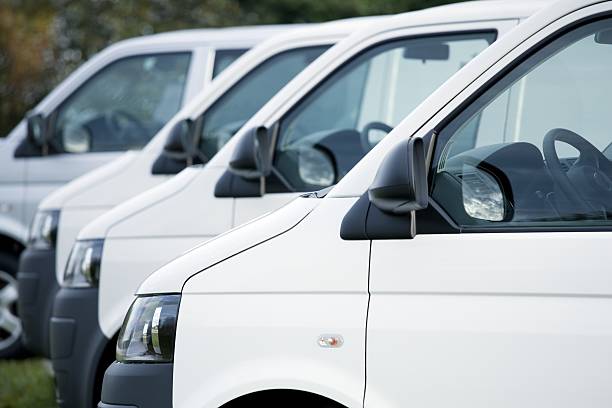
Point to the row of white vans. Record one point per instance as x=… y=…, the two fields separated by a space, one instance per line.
x=458 y=259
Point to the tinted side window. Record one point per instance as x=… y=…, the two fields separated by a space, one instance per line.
x=530 y=150
x=227 y=115
x=224 y=58
x=123 y=105
x=333 y=127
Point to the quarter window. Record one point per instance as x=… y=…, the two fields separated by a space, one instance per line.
x=330 y=130
x=123 y=105
x=224 y=58
x=534 y=149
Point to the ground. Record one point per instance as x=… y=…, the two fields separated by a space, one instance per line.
x=26 y=384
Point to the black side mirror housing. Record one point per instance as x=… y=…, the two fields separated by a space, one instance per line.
x=400 y=186
x=179 y=140
x=179 y=151
x=252 y=158
x=37 y=129
x=36 y=141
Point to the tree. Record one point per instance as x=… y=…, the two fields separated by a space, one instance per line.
x=42 y=41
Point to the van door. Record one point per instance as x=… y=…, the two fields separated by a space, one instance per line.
x=120 y=108
x=326 y=133
x=504 y=296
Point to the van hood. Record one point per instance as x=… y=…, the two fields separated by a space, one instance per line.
x=100 y=227
x=68 y=195
x=171 y=277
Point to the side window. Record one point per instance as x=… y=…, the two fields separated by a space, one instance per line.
x=123 y=105
x=533 y=150
x=334 y=126
x=224 y=58
x=227 y=115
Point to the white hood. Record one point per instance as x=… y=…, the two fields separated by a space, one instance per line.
x=171 y=277
x=68 y=194
x=100 y=227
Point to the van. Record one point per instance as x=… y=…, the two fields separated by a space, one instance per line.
x=200 y=129
x=462 y=262
x=116 y=101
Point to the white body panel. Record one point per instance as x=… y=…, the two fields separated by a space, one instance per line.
x=24 y=182
x=322 y=289
x=482 y=319
x=535 y=326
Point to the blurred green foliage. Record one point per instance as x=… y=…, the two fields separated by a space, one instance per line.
x=42 y=41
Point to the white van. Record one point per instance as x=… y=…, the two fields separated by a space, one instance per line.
x=463 y=262
x=194 y=136
x=116 y=101
x=324 y=121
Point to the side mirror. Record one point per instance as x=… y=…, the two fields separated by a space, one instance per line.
x=76 y=139
x=180 y=142
x=604 y=37
x=251 y=158
x=37 y=129
x=400 y=185
x=179 y=151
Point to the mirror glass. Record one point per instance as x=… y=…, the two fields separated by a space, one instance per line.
x=316 y=167
x=375 y=136
x=76 y=139
x=482 y=195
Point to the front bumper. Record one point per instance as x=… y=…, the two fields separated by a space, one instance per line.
x=77 y=347
x=37 y=289
x=137 y=385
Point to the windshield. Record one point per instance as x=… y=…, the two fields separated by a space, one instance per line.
x=224 y=118
x=334 y=126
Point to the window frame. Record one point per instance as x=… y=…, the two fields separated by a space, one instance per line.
x=52 y=117
x=464 y=106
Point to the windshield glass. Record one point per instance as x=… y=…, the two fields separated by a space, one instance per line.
x=223 y=119
x=333 y=127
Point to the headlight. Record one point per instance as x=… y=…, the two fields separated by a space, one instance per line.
x=149 y=330
x=43 y=231
x=83 y=268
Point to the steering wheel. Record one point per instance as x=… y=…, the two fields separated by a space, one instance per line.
x=134 y=130
x=590 y=162
x=365 y=140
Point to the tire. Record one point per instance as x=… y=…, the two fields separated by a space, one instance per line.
x=11 y=344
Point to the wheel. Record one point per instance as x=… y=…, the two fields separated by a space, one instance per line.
x=11 y=345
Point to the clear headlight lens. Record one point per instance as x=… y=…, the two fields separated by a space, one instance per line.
x=149 y=330
x=83 y=268
x=43 y=231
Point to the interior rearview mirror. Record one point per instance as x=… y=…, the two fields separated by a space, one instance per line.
x=400 y=185
x=604 y=37
x=251 y=158
x=436 y=51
